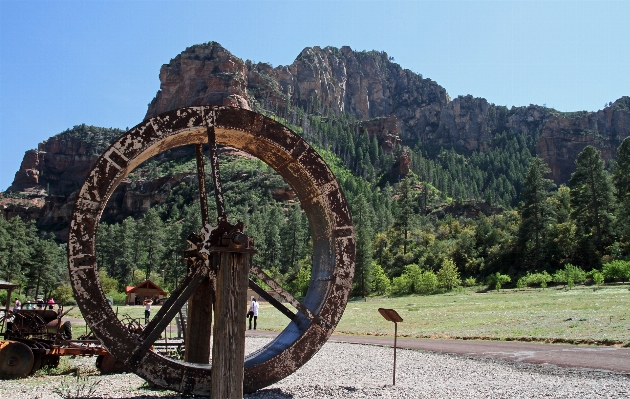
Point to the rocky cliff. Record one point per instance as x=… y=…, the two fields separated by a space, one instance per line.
x=369 y=85
x=395 y=104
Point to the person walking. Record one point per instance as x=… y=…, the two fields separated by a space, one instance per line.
x=147 y=310
x=253 y=313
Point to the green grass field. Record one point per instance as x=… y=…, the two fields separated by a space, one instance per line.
x=580 y=315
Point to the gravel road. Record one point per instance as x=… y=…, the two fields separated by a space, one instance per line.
x=360 y=371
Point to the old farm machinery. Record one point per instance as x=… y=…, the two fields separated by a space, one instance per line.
x=36 y=336
x=219 y=258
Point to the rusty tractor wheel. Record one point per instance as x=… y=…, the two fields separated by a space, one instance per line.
x=16 y=359
x=320 y=196
x=108 y=364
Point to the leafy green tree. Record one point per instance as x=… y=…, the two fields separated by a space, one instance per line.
x=617 y=269
x=591 y=199
x=597 y=276
x=401 y=285
x=299 y=285
x=537 y=211
x=448 y=275
x=380 y=283
x=63 y=294
x=426 y=283
x=570 y=275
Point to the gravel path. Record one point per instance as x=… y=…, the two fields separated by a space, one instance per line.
x=360 y=371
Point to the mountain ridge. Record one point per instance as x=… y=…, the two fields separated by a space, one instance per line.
x=394 y=105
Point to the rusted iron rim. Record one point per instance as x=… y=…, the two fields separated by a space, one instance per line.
x=320 y=196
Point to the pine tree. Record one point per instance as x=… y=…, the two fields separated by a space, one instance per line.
x=621 y=180
x=151 y=230
x=591 y=199
x=364 y=233
x=17 y=249
x=537 y=210
x=404 y=212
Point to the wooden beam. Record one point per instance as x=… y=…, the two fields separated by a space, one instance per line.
x=228 y=349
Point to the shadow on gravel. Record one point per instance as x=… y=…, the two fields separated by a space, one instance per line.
x=275 y=393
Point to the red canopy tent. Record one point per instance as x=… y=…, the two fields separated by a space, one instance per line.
x=146 y=289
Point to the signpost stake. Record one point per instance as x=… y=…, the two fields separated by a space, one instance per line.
x=395 y=336
x=393 y=316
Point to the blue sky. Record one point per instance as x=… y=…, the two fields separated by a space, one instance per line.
x=63 y=63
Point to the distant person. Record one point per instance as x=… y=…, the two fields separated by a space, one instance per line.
x=147 y=310
x=40 y=303
x=51 y=304
x=253 y=313
x=17 y=305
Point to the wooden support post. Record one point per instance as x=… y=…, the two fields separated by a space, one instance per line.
x=199 y=324
x=228 y=350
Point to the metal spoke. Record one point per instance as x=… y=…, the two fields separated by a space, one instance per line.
x=201 y=177
x=270 y=298
x=170 y=308
x=283 y=293
x=216 y=176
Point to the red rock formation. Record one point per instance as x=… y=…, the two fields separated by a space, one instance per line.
x=386 y=131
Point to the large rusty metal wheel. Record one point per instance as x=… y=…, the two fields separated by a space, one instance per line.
x=320 y=196
x=16 y=359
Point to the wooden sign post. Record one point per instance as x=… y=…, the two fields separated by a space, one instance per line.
x=393 y=316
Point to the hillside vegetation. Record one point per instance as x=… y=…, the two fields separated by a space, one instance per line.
x=451 y=219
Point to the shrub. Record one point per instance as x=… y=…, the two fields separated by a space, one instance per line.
x=299 y=286
x=521 y=283
x=401 y=285
x=617 y=269
x=63 y=294
x=119 y=297
x=540 y=279
x=497 y=280
x=470 y=282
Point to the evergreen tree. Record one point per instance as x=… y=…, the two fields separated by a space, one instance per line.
x=151 y=230
x=18 y=248
x=621 y=180
x=591 y=201
x=364 y=236
x=43 y=272
x=537 y=211
x=404 y=212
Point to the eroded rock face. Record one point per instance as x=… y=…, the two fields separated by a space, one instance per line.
x=386 y=131
x=563 y=138
x=201 y=75
x=366 y=84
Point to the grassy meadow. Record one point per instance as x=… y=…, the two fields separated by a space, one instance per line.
x=580 y=315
